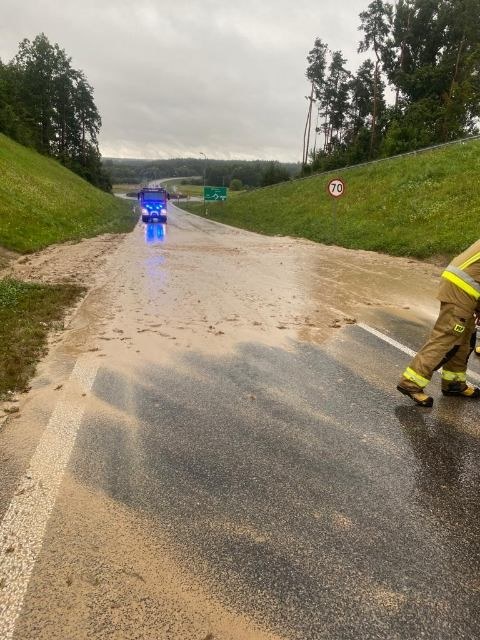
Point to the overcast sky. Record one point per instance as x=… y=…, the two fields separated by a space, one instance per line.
x=179 y=77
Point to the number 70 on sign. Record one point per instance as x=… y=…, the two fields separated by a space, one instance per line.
x=336 y=188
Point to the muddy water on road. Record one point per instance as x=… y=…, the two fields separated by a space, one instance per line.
x=197 y=285
x=192 y=286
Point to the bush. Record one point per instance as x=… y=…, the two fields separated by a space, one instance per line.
x=236 y=184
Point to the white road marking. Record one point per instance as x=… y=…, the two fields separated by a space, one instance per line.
x=24 y=524
x=401 y=347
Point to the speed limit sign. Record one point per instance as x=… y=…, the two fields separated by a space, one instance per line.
x=336 y=188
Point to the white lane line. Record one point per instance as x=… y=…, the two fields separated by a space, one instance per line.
x=401 y=347
x=24 y=524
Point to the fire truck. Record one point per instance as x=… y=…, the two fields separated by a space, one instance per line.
x=153 y=203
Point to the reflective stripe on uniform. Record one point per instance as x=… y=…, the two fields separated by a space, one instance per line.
x=463 y=281
x=470 y=261
x=415 y=377
x=454 y=376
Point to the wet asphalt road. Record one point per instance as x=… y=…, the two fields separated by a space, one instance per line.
x=297 y=483
x=363 y=510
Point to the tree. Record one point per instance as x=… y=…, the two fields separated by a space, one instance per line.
x=37 y=62
x=14 y=121
x=46 y=103
x=361 y=109
x=375 y=23
x=334 y=101
x=317 y=65
x=394 y=54
x=236 y=184
x=88 y=119
x=460 y=20
x=429 y=52
x=274 y=173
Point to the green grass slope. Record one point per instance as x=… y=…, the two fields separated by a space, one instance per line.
x=42 y=203
x=28 y=312
x=423 y=205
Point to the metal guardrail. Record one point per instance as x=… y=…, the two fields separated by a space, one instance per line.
x=370 y=162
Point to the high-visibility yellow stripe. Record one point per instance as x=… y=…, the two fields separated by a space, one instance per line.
x=415 y=377
x=461 y=284
x=470 y=261
x=454 y=376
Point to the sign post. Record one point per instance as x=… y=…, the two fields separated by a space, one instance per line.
x=336 y=188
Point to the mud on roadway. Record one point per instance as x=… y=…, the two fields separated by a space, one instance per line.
x=158 y=298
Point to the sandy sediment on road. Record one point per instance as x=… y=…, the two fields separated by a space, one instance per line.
x=82 y=263
x=233 y=278
x=207 y=287
x=113 y=574
x=197 y=287
x=78 y=262
x=201 y=287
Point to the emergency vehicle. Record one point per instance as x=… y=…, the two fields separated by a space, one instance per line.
x=153 y=203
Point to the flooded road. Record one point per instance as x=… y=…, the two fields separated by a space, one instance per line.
x=232 y=460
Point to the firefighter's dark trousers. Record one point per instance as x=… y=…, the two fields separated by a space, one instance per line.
x=449 y=346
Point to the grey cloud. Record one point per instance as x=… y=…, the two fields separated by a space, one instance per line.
x=177 y=78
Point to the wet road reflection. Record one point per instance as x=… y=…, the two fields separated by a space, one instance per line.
x=155 y=233
x=447 y=476
x=336 y=516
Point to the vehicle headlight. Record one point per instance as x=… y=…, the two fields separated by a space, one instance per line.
x=144 y=210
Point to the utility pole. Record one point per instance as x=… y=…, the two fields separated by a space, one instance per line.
x=308 y=126
x=204 y=174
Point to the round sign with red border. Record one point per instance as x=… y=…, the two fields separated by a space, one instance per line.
x=336 y=187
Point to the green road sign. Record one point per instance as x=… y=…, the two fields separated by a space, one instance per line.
x=212 y=194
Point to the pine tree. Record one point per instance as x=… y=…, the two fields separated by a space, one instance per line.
x=376 y=24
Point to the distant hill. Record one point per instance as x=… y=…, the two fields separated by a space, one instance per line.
x=42 y=202
x=421 y=205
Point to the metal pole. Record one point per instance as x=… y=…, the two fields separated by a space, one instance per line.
x=204 y=174
x=334 y=220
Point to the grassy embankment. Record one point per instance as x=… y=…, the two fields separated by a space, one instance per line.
x=42 y=203
x=125 y=188
x=423 y=206
x=27 y=313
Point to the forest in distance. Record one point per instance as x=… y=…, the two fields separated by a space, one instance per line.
x=238 y=174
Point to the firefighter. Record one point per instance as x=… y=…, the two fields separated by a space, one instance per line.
x=477 y=322
x=453 y=337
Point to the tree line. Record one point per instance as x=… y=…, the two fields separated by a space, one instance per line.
x=236 y=174
x=47 y=104
x=419 y=87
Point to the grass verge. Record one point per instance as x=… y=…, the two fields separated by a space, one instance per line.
x=27 y=313
x=422 y=206
x=42 y=202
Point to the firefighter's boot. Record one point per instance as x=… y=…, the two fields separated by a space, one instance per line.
x=414 y=392
x=461 y=389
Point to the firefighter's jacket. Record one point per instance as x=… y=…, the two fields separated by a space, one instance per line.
x=460 y=283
